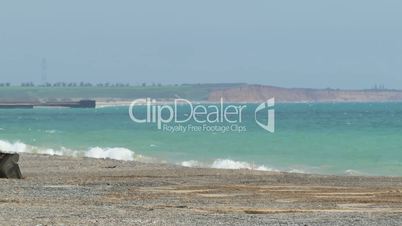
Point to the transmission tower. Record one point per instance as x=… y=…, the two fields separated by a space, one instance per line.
x=44 y=71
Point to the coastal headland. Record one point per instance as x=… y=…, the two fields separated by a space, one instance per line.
x=231 y=92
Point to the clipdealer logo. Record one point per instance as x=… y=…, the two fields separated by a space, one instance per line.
x=217 y=117
x=267 y=107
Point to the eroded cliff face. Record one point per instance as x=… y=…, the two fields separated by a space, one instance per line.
x=258 y=93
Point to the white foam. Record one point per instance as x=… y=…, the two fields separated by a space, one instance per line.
x=191 y=163
x=352 y=172
x=120 y=153
x=296 y=171
x=51 y=131
x=96 y=152
x=110 y=153
x=16 y=147
x=50 y=151
x=227 y=164
x=231 y=164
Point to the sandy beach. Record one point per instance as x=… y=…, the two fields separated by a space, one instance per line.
x=82 y=191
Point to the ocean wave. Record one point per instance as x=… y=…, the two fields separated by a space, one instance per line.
x=16 y=147
x=352 y=172
x=116 y=153
x=296 y=171
x=110 y=153
x=232 y=164
x=227 y=164
x=124 y=154
x=191 y=163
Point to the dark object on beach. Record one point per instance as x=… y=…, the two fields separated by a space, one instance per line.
x=71 y=104
x=9 y=166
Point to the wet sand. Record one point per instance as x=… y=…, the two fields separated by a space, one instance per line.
x=82 y=191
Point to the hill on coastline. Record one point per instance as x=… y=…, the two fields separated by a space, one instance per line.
x=258 y=93
x=237 y=92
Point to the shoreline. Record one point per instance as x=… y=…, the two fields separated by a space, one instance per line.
x=68 y=190
x=127 y=103
x=100 y=103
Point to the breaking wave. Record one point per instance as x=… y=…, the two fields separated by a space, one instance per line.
x=124 y=154
x=352 y=172
x=95 y=152
x=227 y=164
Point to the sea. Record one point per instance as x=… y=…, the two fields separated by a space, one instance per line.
x=315 y=138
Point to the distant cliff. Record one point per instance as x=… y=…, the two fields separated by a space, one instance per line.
x=258 y=93
x=234 y=92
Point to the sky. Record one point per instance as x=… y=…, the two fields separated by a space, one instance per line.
x=290 y=43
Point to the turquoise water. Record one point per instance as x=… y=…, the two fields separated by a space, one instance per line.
x=351 y=138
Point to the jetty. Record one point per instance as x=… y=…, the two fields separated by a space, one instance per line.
x=66 y=104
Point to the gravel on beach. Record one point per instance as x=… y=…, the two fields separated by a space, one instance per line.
x=61 y=190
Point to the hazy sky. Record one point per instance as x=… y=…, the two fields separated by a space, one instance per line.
x=309 y=43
